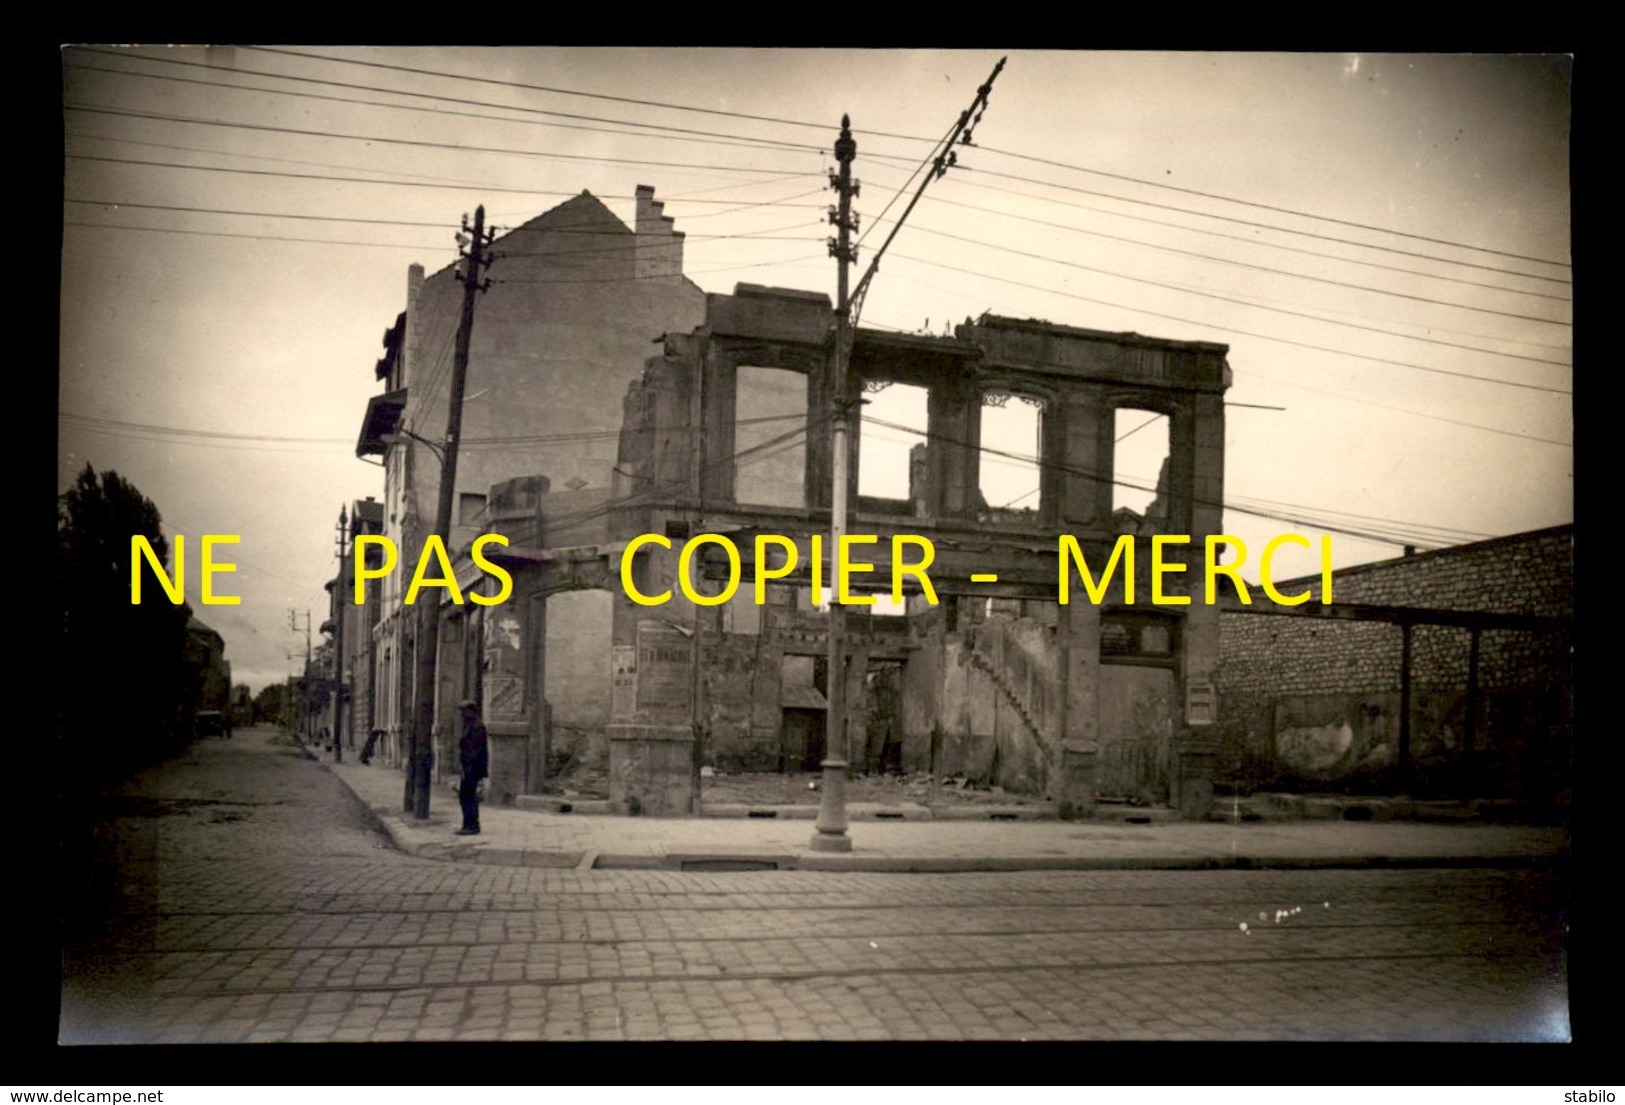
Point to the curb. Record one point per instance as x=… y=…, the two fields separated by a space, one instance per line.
x=410 y=841
x=769 y=859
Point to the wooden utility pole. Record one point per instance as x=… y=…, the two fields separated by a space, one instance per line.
x=304 y=698
x=428 y=643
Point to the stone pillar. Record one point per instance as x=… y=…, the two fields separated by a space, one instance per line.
x=1076 y=794
x=953 y=418
x=510 y=687
x=1079 y=628
x=1079 y=477
x=651 y=770
x=1197 y=762
x=538 y=716
x=651 y=733
x=1207 y=465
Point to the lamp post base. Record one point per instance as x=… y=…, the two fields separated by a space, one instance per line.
x=829 y=842
x=831 y=825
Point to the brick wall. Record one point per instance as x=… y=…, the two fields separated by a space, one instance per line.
x=1312 y=703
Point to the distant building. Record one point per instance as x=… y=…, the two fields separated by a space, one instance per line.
x=350 y=709
x=209 y=670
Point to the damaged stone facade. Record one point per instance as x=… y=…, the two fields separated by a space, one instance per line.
x=996 y=681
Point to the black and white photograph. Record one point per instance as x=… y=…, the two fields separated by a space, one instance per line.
x=763 y=544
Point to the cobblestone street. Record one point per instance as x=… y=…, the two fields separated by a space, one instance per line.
x=242 y=894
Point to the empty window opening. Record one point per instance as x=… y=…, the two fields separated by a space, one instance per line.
x=770 y=437
x=884 y=607
x=804 y=596
x=740 y=614
x=577 y=676
x=894 y=423
x=1140 y=462
x=802 y=706
x=1012 y=427
x=1127 y=637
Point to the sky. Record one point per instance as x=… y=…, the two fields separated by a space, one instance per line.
x=1382 y=241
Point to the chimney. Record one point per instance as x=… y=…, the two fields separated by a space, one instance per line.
x=414 y=285
x=659 y=250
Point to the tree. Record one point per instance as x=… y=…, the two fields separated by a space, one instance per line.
x=129 y=689
x=271 y=704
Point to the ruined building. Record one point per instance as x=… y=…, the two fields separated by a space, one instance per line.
x=726 y=431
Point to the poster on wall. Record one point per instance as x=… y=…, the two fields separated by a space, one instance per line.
x=624 y=673
x=665 y=675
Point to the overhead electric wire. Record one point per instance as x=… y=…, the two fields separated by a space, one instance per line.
x=1400 y=532
x=601 y=435
x=123 y=204
x=402 y=92
x=667 y=105
x=1140 y=427
x=1445 y=534
x=678 y=135
x=687 y=272
x=1249 y=241
x=161 y=439
x=1273 y=227
x=1353 y=242
x=607 y=231
x=902 y=189
x=1228 y=299
x=437 y=347
x=254 y=237
x=1252 y=241
x=185 y=432
x=731 y=206
x=1269 y=207
x=788 y=261
x=770 y=234
x=901 y=277
x=1313 y=317
x=1427 y=327
x=1440 y=534
x=218 y=152
x=1245 y=333
x=1076 y=470
x=391 y=177
x=1255 y=267
x=1306 y=387
x=417 y=142
x=1415 y=414
x=670 y=486
x=568 y=92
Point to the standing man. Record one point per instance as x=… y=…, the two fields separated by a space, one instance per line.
x=476 y=757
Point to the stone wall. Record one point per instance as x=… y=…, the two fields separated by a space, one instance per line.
x=1001 y=703
x=1314 y=703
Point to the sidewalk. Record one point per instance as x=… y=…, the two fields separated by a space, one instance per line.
x=535 y=838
